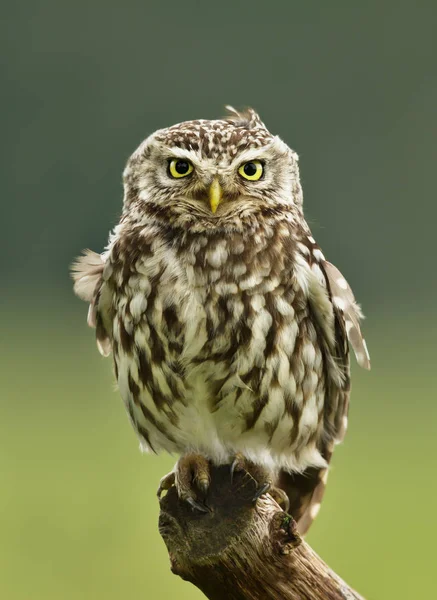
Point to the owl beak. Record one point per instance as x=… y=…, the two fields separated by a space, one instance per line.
x=215 y=194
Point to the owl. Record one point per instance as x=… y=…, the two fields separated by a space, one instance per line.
x=228 y=328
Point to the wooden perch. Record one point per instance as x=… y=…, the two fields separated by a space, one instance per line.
x=244 y=551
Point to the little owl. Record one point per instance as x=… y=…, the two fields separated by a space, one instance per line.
x=229 y=328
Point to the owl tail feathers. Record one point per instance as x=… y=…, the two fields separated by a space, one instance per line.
x=305 y=492
x=87 y=274
x=344 y=300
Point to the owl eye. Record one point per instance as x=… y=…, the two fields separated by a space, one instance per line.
x=252 y=170
x=178 y=167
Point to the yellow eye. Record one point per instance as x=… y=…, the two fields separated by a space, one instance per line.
x=179 y=167
x=251 y=170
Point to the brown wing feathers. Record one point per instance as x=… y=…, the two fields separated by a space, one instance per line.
x=343 y=299
x=305 y=490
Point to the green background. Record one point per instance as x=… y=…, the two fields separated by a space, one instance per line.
x=352 y=87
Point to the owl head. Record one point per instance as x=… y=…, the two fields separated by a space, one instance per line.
x=208 y=174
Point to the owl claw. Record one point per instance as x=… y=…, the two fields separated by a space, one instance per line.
x=166 y=483
x=280 y=497
x=260 y=474
x=235 y=466
x=189 y=476
x=256 y=472
x=276 y=493
x=262 y=489
x=196 y=505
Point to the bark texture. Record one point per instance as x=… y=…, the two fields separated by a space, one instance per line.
x=241 y=550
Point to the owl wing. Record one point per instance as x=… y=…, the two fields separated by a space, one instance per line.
x=336 y=317
x=89 y=285
x=347 y=311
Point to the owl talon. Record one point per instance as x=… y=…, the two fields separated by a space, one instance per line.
x=196 y=505
x=256 y=472
x=263 y=489
x=260 y=474
x=166 y=483
x=190 y=476
x=237 y=465
x=280 y=497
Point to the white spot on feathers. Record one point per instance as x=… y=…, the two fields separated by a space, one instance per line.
x=258 y=302
x=318 y=254
x=283 y=307
x=314 y=510
x=340 y=302
x=137 y=306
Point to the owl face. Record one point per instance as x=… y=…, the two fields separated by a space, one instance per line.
x=210 y=173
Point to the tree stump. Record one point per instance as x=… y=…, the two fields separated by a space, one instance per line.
x=241 y=550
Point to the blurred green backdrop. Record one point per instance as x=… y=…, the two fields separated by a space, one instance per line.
x=353 y=88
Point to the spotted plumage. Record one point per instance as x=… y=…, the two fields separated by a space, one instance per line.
x=229 y=328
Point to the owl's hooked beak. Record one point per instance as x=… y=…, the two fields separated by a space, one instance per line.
x=215 y=194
